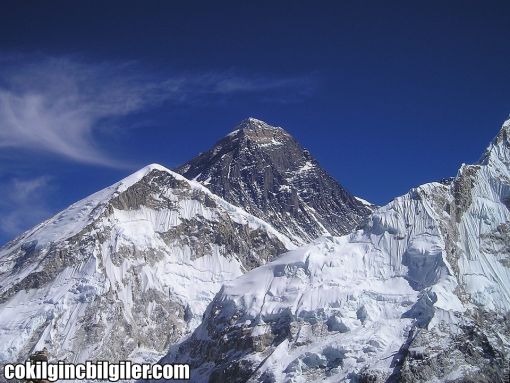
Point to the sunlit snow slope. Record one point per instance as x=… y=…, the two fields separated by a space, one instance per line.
x=127 y=271
x=420 y=294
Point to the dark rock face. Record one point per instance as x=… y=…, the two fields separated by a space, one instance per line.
x=474 y=354
x=264 y=170
x=252 y=246
x=39 y=356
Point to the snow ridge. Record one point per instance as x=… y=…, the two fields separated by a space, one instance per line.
x=95 y=281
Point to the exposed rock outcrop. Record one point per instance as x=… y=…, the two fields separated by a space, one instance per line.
x=264 y=170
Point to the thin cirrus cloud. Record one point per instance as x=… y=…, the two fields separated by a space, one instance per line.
x=58 y=105
x=23 y=203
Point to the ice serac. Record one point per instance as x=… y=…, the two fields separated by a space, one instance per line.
x=127 y=271
x=264 y=170
x=420 y=294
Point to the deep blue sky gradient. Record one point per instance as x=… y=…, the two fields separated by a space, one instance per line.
x=387 y=95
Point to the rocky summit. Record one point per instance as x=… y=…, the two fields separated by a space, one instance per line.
x=264 y=170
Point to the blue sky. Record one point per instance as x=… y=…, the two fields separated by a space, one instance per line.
x=386 y=95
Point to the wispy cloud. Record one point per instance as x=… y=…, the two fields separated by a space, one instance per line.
x=193 y=88
x=59 y=105
x=23 y=204
x=56 y=106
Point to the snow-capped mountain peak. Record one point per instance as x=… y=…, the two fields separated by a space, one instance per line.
x=127 y=271
x=76 y=217
x=253 y=132
x=252 y=123
x=498 y=152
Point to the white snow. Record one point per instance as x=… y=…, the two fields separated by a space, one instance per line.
x=306 y=167
x=55 y=309
x=363 y=201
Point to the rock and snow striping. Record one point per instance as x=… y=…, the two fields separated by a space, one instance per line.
x=127 y=271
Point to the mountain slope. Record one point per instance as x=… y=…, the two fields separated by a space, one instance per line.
x=420 y=294
x=264 y=170
x=126 y=271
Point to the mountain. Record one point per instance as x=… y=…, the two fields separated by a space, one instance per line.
x=264 y=170
x=126 y=272
x=421 y=293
